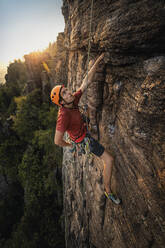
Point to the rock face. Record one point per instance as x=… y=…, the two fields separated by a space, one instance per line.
x=127 y=102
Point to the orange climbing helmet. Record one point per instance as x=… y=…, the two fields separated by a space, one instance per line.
x=55 y=94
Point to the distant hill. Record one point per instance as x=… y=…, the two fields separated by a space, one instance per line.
x=3 y=71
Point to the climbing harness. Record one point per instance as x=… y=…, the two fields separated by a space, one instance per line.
x=81 y=148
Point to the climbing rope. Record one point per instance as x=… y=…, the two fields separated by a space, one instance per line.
x=86 y=117
x=89 y=39
x=85 y=107
x=89 y=48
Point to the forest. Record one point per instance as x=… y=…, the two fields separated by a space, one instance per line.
x=31 y=202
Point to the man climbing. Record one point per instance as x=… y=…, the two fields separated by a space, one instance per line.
x=70 y=120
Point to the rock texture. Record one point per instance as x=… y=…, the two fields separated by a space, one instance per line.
x=127 y=102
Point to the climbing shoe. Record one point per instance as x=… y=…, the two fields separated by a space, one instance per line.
x=113 y=198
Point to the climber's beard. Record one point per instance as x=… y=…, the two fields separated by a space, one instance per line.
x=69 y=101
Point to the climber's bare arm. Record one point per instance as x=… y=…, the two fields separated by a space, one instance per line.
x=92 y=69
x=59 y=139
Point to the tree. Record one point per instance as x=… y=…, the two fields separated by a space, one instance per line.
x=27 y=115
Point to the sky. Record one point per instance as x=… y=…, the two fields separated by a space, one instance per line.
x=27 y=26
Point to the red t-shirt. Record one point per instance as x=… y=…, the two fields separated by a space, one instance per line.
x=70 y=120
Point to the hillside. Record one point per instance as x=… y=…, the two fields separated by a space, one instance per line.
x=31 y=205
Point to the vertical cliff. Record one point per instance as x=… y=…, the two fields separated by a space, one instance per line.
x=127 y=101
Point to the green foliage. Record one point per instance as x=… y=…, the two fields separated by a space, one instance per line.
x=48 y=116
x=42 y=193
x=16 y=75
x=12 y=203
x=27 y=116
x=4 y=100
x=9 y=155
x=7 y=105
x=30 y=213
